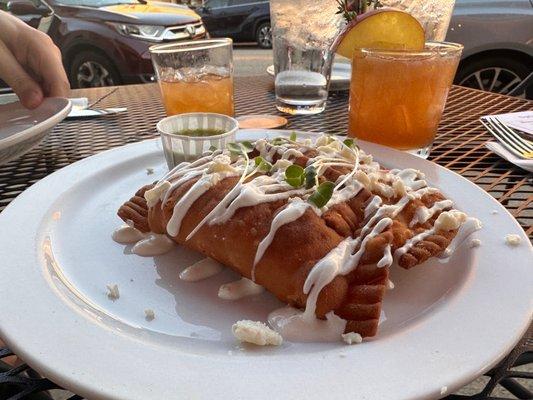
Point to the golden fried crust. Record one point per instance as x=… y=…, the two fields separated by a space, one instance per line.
x=362 y=304
x=298 y=246
x=136 y=210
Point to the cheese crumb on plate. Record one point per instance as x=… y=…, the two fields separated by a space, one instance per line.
x=112 y=292
x=352 y=338
x=149 y=314
x=256 y=332
x=512 y=240
x=475 y=243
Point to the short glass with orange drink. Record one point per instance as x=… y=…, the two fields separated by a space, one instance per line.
x=195 y=76
x=397 y=97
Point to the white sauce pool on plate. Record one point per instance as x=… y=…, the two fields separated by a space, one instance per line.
x=127 y=234
x=294 y=326
x=237 y=290
x=153 y=245
x=201 y=270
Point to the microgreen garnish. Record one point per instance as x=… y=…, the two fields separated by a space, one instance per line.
x=293 y=137
x=240 y=148
x=295 y=175
x=234 y=148
x=348 y=143
x=249 y=146
x=322 y=194
x=213 y=148
x=277 y=141
x=310 y=177
x=262 y=164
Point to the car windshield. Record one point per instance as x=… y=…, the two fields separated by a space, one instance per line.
x=96 y=3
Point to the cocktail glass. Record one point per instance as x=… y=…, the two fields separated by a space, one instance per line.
x=302 y=32
x=195 y=76
x=397 y=97
x=433 y=15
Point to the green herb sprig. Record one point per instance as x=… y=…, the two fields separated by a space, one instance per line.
x=350 y=9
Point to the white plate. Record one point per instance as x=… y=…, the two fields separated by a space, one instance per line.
x=445 y=324
x=22 y=129
x=341 y=74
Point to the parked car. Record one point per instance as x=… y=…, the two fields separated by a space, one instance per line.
x=498 y=36
x=498 y=40
x=241 y=20
x=105 y=42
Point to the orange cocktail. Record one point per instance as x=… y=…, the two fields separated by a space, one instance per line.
x=208 y=93
x=397 y=97
x=195 y=76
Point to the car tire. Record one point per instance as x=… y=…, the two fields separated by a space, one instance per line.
x=263 y=35
x=498 y=74
x=92 y=69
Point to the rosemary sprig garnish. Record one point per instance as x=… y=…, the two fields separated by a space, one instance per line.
x=352 y=8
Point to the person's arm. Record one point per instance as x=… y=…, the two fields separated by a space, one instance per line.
x=30 y=62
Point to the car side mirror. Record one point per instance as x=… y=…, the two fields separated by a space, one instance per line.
x=24 y=7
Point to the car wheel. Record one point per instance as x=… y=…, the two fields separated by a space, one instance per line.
x=92 y=69
x=493 y=73
x=263 y=35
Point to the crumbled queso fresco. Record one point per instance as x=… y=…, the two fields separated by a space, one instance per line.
x=112 y=292
x=475 y=243
x=149 y=314
x=256 y=332
x=352 y=338
x=512 y=240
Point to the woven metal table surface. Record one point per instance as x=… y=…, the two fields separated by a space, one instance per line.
x=459 y=147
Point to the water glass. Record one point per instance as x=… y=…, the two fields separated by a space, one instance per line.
x=302 y=33
x=195 y=76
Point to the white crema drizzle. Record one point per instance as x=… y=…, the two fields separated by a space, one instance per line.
x=255 y=188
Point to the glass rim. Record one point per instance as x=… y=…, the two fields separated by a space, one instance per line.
x=430 y=48
x=190 y=45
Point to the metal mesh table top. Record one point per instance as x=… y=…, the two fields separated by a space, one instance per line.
x=459 y=146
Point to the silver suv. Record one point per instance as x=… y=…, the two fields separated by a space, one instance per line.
x=498 y=40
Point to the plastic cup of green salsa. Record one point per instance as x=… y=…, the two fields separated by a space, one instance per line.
x=186 y=137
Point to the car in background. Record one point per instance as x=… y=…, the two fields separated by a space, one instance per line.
x=241 y=20
x=498 y=40
x=105 y=42
x=497 y=35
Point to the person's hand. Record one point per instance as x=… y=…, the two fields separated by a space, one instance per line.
x=30 y=62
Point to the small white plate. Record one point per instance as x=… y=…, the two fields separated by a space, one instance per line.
x=445 y=323
x=22 y=129
x=341 y=74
